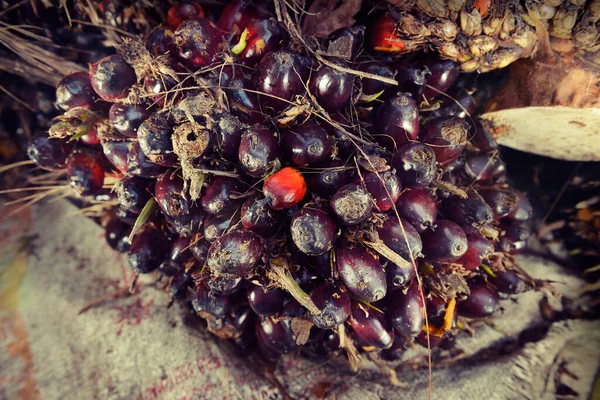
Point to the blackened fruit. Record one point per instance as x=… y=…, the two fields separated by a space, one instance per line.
x=216 y=225
x=134 y=193
x=480 y=303
x=361 y=273
x=263 y=36
x=281 y=75
x=258 y=217
x=472 y=211
x=479 y=249
x=328 y=179
x=443 y=74
x=372 y=87
x=217 y=196
x=447 y=136
x=384 y=188
x=351 y=204
x=229 y=134
x=502 y=201
x=148 y=250
x=49 y=153
x=112 y=77
x=446 y=243
x=313 y=231
x=198 y=43
x=321 y=264
x=508 y=282
x=278 y=336
x=403 y=242
x=415 y=165
x=333 y=302
x=235 y=253
x=139 y=165
x=85 y=173
x=208 y=305
x=265 y=302
x=154 y=137
x=117 y=235
x=258 y=151
x=179 y=284
x=285 y=188
x=322 y=344
x=116 y=153
x=331 y=87
x=406 y=310
x=181 y=212
x=75 y=90
x=127 y=118
x=370 y=327
x=419 y=207
x=305 y=145
x=180 y=12
x=396 y=122
x=224 y=285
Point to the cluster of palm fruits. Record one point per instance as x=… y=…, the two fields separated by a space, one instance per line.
x=302 y=204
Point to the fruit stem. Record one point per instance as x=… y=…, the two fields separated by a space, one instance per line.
x=280 y=274
x=388 y=253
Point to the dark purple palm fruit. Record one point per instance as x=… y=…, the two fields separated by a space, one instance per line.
x=199 y=248
x=481 y=137
x=523 y=211
x=351 y=204
x=242 y=96
x=116 y=153
x=362 y=273
x=502 y=200
x=228 y=131
x=328 y=178
x=479 y=249
x=370 y=327
x=396 y=122
x=216 y=225
x=333 y=302
x=481 y=302
x=217 y=197
x=138 y=163
x=133 y=193
x=514 y=236
x=321 y=265
x=181 y=212
x=208 y=305
x=154 y=137
x=85 y=172
x=472 y=211
x=75 y=90
x=446 y=243
x=281 y=75
x=372 y=88
x=258 y=151
x=199 y=43
x=224 y=285
x=483 y=167
x=447 y=137
x=313 y=231
x=117 y=235
x=236 y=13
x=179 y=285
x=419 y=207
x=258 y=217
x=507 y=282
x=411 y=79
x=384 y=187
x=415 y=165
x=159 y=42
x=331 y=87
x=277 y=335
x=443 y=74
x=406 y=310
x=305 y=145
x=49 y=153
x=179 y=254
x=258 y=37
x=236 y=253
x=127 y=118
x=265 y=302
x=157 y=88
x=148 y=249
x=459 y=104
x=112 y=77
x=403 y=242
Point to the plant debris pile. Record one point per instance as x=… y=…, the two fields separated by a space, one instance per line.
x=306 y=191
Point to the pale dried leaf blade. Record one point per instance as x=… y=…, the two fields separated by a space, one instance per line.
x=301 y=328
x=564 y=133
x=327 y=16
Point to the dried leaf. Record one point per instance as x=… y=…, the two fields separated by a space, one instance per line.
x=327 y=16
x=447 y=281
x=301 y=328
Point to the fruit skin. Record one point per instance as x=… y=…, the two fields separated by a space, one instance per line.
x=217 y=196
x=258 y=217
x=480 y=303
x=392 y=234
x=85 y=173
x=49 y=153
x=305 y=145
x=443 y=74
x=235 y=14
x=285 y=188
x=508 y=282
x=415 y=165
x=127 y=118
x=209 y=306
x=116 y=153
x=385 y=194
x=472 y=211
x=184 y=216
x=447 y=137
x=198 y=43
x=133 y=193
x=139 y=165
x=265 y=302
x=371 y=87
x=396 y=122
x=258 y=151
x=180 y=12
x=370 y=327
x=332 y=88
x=501 y=200
x=117 y=233
x=419 y=207
x=351 y=204
x=361 y=273
x=154 y=137
x=112 y=77
x=329 y=179
x=263 y=36
x=281 y=74
x=278 y=336
x=75 y=90
x=333 y=302
x=235 y=253
x=313 y=231
x=148 y=250
x=479 y=249
x=406 y=310
x=446 y=243
x=228 y=132
x=383 y=36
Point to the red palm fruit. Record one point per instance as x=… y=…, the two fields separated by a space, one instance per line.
x=285 y=188
x=181 y=12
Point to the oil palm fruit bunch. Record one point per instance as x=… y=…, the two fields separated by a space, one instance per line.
x=302 y=201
